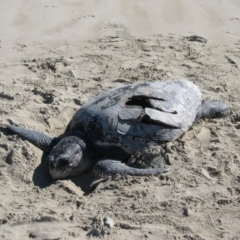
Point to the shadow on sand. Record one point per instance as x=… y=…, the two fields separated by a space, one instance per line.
x=41 y=175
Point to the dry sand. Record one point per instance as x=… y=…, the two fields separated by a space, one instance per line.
x=56 y=55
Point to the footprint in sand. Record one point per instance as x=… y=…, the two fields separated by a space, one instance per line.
x=204 y=137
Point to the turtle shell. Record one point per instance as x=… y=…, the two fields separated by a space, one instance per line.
x=137 y=115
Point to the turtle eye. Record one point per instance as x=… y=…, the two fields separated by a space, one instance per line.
x=62 y=163
x=51 y=164
x=50 y=160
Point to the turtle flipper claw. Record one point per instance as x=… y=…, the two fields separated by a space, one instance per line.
x=116 y=167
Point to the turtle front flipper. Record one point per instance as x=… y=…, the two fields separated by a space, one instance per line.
x=210 y=109
x=38 y=139
x=116 y=167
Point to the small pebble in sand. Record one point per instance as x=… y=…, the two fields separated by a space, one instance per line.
x=107 y=221
x=169 y=159
x=185 y=211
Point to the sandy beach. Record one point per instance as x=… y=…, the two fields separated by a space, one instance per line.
x=56 y=55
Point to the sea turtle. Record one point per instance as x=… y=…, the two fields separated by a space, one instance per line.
x=111 y=127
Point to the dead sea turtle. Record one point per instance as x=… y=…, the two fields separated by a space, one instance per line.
x=108 y=129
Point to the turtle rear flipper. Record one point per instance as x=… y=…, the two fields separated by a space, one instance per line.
x=116 y=167
x=211 y=108
x=38 y=139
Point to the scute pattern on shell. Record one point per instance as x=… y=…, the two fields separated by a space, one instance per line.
x=146 y=112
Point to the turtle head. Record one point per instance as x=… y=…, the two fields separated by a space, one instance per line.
x=211 y=108
x=67 y=158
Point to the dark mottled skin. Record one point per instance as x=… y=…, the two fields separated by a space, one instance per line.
x=119 y=122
